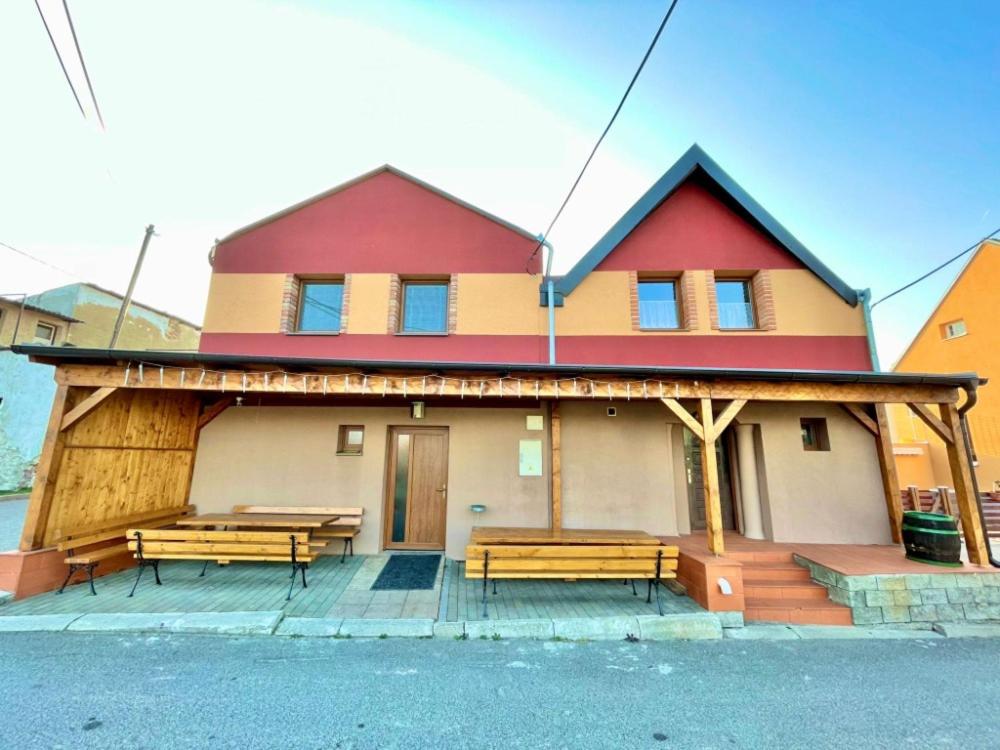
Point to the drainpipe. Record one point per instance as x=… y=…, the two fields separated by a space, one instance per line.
x=865 y=299
x=972 y=397
x=550 y=298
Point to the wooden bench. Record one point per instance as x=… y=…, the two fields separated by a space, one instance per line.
x=652 y=562
x=153 y=545
x=87 y=547
x=346 y=527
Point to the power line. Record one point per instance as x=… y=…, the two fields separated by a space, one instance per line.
x=83 y=64
x=611 y=122
x=39 y=260
x=933 y=271
x=59 y=56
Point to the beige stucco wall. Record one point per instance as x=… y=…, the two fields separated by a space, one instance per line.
x=287 y=456
x=618 y=472
x=830 y=496
x=623 y=472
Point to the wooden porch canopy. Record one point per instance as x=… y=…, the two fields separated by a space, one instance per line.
x=705 y=400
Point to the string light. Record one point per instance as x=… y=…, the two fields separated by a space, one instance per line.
x=402 y=384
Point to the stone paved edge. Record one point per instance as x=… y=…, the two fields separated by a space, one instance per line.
x=646 y=627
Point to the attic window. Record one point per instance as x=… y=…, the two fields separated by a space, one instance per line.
x=320 y=306
x=953 y=330
x=658 y=308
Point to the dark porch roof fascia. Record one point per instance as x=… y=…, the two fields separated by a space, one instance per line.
x=60 y=355
x=693 y=160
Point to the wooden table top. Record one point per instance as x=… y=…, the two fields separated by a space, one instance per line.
x=261 y=520
x=511 y=535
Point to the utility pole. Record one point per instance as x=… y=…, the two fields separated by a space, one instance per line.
x=131 y=287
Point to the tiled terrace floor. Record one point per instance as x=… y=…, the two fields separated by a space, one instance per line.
x=557 y=598
x=344 y=590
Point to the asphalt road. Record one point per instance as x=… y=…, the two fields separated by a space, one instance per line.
x=85 y=691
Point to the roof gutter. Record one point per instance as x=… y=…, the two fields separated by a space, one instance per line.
x=972 y=397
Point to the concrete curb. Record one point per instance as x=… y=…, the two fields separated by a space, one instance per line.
x=215 y=623
x=36 y=623
x=690 y=626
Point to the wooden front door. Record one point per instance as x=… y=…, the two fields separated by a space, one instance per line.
x=696 y=486
x=416 y=488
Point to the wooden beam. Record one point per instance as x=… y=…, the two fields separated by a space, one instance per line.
x=965 y=493
x=727 y=415
x=491 y=385
x=890 y=480
x=685 y=416
x=86 y=406
x=555 y=439
x=46 y=475
x=856 y=411
x=930 y=419
x=214 y=410
x=710 y=472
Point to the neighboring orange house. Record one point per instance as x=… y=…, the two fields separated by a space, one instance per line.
x=961 y=335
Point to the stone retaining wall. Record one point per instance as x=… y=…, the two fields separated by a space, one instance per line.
x=921 y=599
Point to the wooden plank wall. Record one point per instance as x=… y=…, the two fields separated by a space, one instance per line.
x=133 y=453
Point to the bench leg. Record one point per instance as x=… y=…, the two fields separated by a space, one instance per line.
x=659 y=607
x=343 y=557
x=156 y=572
x=204 y=568
x=141 y=568
x=352 y=546
x=632 y=581
x=494 y=587
x=649 y=591
x=90 y=578
x=72 y=570
x=297 y=567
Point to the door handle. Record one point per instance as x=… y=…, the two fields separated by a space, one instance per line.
x=442 y=489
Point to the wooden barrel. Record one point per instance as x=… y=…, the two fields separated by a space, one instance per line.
x=932 y=538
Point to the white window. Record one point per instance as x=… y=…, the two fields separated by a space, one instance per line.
x=953 y=330
x=44 y=334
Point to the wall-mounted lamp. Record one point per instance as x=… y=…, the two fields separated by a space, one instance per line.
x=417 y=410
x=477 y=508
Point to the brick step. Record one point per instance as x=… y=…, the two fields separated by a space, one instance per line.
x=776 y=571
x=754 y=557
x=784 y=590
x=797 y=611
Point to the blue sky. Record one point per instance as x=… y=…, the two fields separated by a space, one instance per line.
x=871 y=130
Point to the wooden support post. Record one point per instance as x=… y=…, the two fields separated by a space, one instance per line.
x=913 y=492
x=965 y=493
x=46 y=474
x=211 y=412
x=710 y=471
x=556 y=448
x=890 y=480
x=930 y=419
x=944 y=497
x=86 y=406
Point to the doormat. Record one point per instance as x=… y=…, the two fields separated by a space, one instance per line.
x=404 y=572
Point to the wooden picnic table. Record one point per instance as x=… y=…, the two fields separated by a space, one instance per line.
x=513 y=535
x=259 y=520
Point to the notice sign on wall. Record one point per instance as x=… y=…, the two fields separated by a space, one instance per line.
x=529 y=458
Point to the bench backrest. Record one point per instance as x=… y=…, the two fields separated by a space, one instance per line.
x=116 y=528
x=192 y=543
x=348 y=516
x=571 y=560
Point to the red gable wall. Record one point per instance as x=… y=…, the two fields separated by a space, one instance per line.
x=695 y=229
x=384 y=224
